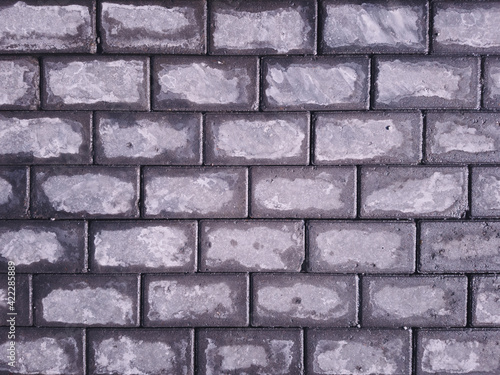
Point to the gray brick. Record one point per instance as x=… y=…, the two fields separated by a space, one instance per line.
x=304 y=300
x=21 y=295
x=463 y=138
x=159 y=246
x=414 y=301
x=43 y=246
x=97 y=83
x=195 y=192
x=57 y=351
x=485 y=192
x=45 y=137
x=140 y=351
x=359 y=138
x=274 y=27
x=257 y=138
x=491 y=97
x=19 y=82
x=486 y=301
x=14 y=194
x=426 y=82
x=252 y=246
x=355 y=247
x=196 y=300
x=461 y=27
x=407 y=192
x=303 y=192
x=31 y=26
x=153 y=27
x=315 y=83
x=460 y=246
x=472 y=352
x=86 y=301
x=69 y=192
x=250 y=351
x=374 y=27
x=358 y=352
x=147 y=138
x=214 y=83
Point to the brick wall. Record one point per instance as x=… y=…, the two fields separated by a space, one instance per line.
x=251 y=187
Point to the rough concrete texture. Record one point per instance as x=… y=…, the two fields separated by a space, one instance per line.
x=96 y=83
x=195 y=192
x=485 y=192
x=459 y=247
x=86 y=301
x=249 y=351
x=52 y=351
x=14 y=195
x=304 y=300
x=466 y=27
x=276 y=27
x=205 y=83
x=148 y=138
x=143 y=246
x=170 y=27
x=356 y=247
x=22 y=307
x=175 y=301
x=303 y=192
x=414 y=301
x=472 y=352
x=263 y=138
x=315 y=83
x=362 y=138
x=406 y=192
x=360 y=352
x=19 y=83
x=486 y=301
x=39 y=27
x=252 y=246
x=426 y=82
x=87 y=191
x=359 y=27
x=133 y=352
x=491 y=98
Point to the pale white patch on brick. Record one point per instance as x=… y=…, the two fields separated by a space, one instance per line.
x=88 y=306
x=494 y=86
x=5 y=191
x=94 y=194
x=235 y=357
x=489 y=192
x=12 y=81
x=450 y=137
x=488 y=307
x=468 y=246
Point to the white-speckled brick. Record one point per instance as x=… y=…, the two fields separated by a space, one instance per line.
x=491 y=97
x=96 y=83
x=274 y=27
x=374 y=27
x=427 y=82
x=485 y=192
x=486 y=301
x=19 y=83
x=359 y=138
x=153 y=27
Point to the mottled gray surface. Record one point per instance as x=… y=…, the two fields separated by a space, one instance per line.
x=47 y=28
x=485 y=192
x=252 y=246
x=19 y=81
x=413 y=192
x=303 y=300
x=263 y=138
x=96 y=83
x=491 y=97
x=416 y=301
x=458 y=352
x=5 y=191
x=303 y=192
x=355 y=247
x=359 y=352
x=24 y=316
x=322 y=83
x=195 y=192
x=427 y=82
x=170 y=28
x=374 y=27
x=359 y=138
x=171 y=301
x=486 y=301
x=14 y=195
x=460 y=246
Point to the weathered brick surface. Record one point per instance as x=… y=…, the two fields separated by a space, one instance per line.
x=288 y=300
x=485 y=186
x=491 y=97
x=14 y=192
x=249 y=351
x=486 y=301
x=414 y=301
x=405 y=192
x=19 y=83
x=20 y=293
x=153 y=26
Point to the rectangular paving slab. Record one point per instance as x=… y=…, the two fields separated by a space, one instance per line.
x=486 y=301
